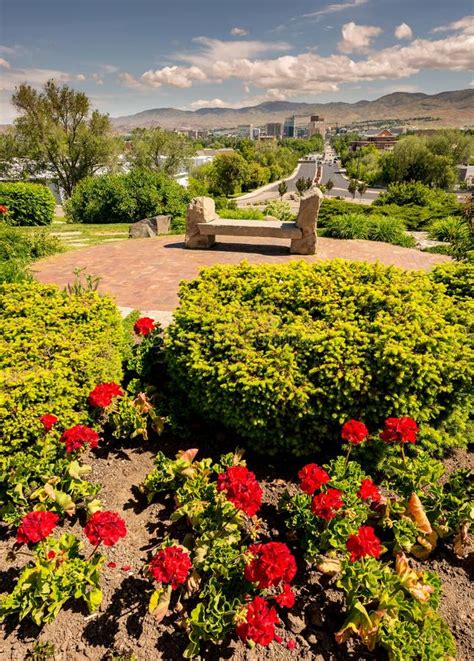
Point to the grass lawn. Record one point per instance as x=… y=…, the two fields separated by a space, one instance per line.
x=79 y=235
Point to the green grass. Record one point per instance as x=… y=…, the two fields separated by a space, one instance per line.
x=87 y=235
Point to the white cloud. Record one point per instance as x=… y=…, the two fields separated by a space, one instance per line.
x=13 y=50
x=465 y=25
x=403 y=31
x=336 y=7
x=175 y=76
x=4 y=63
x=239 y=32
x=357 y=38
x=210 y=103
x=80 y=77
x=35 y=77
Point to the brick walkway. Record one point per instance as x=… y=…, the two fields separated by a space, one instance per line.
x=145 y=273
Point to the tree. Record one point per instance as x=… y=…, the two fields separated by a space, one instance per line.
x=352 y=187
x=57 y=132
x=329 y=184
x=282 y=188
x=361 y=188
x=303 y=184
x=157 y=149
x=230 y=172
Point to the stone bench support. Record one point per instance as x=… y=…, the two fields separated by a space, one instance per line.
x=203 y=224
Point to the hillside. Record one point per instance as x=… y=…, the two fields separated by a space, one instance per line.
x=455 y=108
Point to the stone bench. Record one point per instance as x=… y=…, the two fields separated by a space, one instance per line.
x=203 y=225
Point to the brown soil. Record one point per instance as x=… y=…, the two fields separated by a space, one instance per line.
x=123 y=626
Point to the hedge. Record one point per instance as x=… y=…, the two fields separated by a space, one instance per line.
x=19 y=247
x=370 y=227
x=28 y=204
x=54 y=349
x=283 y=355
x=126 y=198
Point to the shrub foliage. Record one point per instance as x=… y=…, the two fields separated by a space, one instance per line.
x=28 y=204
x=285 y=354
x=55 y=348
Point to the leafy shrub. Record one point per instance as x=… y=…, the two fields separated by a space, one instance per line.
x=242 y=214
x=348 y=226
x=115 y=198
x=284 y=354
x=331 y=207
x=458 y=279
x=28 y=204
x=280 y=210
x=18 y=249
x=55 y=348
x=402 y=193
x=458 y=232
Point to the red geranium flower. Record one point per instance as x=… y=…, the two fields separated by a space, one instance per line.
x=312 y=478
x=259 y=624
x=324 y=504
x=354 y=432
x=105 y=527
x=3 y=208
x=286 y=598
x=368 y=491
x=144 y=326
x=36 y=526
x=170 y=565
x=51 y=555
x=103 y=394
x=291 y=644
x=242 y=489
x=363 y=544
x=271 y=564
x=76 y=437
x=403 y=430
x=48 y=421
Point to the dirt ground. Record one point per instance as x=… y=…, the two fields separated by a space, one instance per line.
x=122 y=627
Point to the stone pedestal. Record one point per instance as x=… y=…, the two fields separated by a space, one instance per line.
x=307 y=221
x=200 y=210
x=150 y=227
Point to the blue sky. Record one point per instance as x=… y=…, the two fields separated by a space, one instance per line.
x=130 y=55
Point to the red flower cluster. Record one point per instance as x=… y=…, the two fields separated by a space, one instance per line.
x=368 y=491
x=312 y=477
x=76 y=437
x=259 y=624
x=144 y=326
x=170 y=565
x=36 y=526
x=354 y=432
x=326 y=503
x=242 y=489
x=105 y=527
x=48 y=421
x=3 y=208
x=364 y=543
x=286 y=598
x=103 y=394
x=271 y=564
x=402 y=430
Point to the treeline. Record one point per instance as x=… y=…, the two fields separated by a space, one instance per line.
x=431 y=160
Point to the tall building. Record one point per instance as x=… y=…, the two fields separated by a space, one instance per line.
x=245 y=131
x=316 y=125
x=274 y=130
x=289 y=130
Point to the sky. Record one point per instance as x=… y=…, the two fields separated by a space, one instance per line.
x=132 y=55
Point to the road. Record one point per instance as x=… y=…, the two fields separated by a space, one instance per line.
x=270 y=192
x=340 y=185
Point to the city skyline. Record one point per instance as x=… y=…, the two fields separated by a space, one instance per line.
x=132 y=56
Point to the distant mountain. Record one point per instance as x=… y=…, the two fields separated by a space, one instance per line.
x=454 y=108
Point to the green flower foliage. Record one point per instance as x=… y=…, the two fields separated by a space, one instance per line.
x=458 y=279
x=54 y=349
x=44 y=587
x=284 y=355
x=28 y=204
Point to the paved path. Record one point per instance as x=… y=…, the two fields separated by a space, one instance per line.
x=270 y=191
x=144 y=273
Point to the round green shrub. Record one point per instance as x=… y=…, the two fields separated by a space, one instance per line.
x=283 y=355
x=126 y=198
x=28 y=204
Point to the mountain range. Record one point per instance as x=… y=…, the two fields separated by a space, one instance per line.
x=454 y=108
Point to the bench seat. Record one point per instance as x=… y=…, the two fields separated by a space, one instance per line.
x=274 y=228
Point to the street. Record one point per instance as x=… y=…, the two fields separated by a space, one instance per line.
x=340 y=185
x=270 y=192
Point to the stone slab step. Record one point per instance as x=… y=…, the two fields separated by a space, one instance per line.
x=273 y=228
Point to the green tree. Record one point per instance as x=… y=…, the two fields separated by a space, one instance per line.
x=157 y=149
x=352 y=187
x=58 y=131
x=361 y=188
x=329 y=184
x=302 y=184
x=230 y=172
x=454 y=144
x=282 y=188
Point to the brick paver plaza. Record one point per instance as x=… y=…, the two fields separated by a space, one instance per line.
x=145 y=273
